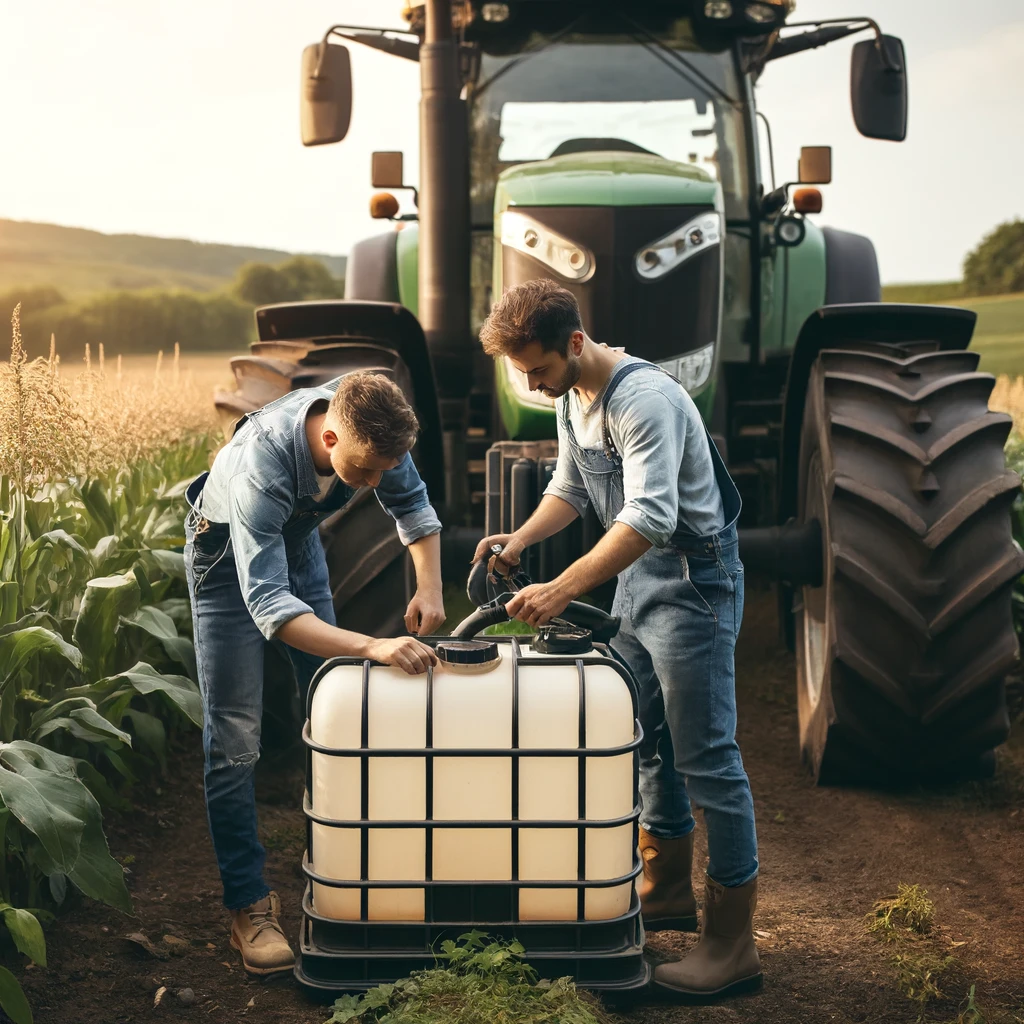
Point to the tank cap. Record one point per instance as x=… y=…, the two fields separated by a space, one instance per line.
x=555 y=638
x=467 y=652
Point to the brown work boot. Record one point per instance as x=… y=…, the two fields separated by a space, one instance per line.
x=256 y=934
x=666 y=889
x=724 y=962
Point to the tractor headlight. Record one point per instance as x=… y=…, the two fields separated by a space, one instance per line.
x=521 y=387
x=693 y=369
x=562 y=255
x=663 y=256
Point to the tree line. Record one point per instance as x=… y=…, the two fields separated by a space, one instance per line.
x=150 y=320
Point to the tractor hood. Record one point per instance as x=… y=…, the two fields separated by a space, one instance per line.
x=606 y=179
x=639 y=241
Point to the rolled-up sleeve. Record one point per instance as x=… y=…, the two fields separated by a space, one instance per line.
x=403 y=495
x=652 y=429
x=567 y=481
x=259 y=505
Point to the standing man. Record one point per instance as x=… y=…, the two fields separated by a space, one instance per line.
x=631 y=441
x=256 y=571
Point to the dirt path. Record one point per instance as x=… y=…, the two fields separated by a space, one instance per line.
x=826 y=856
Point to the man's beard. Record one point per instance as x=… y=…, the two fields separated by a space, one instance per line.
x=568 y=381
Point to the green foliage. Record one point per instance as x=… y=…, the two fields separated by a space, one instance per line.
x=95 y=678
x=296 y=280
x=917 y=975
x=996 y=265
x=477 y=981
x=908 y=912
x=152 y=320
x=140 y=321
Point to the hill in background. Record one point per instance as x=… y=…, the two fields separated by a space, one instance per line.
x=78 y=261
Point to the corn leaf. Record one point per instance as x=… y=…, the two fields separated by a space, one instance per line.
x=27 y=933
x=12 y=998
x=23 y=646
x=106 y=600
x=179 y=690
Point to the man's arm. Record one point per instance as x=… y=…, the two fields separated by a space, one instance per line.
x=620 y=547
x=425 y=613
x=403 y=495
x=311 y=634
x=257 y=512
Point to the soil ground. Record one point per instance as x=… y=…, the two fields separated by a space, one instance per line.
x=827 y=855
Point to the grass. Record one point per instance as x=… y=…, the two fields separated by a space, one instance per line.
x=477 y=981
x=999 y=334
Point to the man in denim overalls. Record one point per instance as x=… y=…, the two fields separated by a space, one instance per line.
x=256 y=571
x=632 y=443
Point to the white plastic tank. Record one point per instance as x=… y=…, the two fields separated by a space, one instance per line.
x=480 y=694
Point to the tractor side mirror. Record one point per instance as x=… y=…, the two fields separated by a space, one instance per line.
x=815 y=165
x=878 y=88
x=387 y=170
x=326 y=97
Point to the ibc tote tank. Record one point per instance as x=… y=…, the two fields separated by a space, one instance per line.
x=500 y=789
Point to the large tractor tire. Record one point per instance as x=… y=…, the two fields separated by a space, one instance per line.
x=903 y=649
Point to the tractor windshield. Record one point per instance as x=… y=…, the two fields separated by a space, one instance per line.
x=604 y=92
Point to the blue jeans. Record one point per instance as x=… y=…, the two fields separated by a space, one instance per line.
x=229 y=654
x=681 y=608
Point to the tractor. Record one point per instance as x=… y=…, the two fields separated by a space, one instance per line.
x=617 y=149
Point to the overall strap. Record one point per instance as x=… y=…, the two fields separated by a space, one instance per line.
x=606 y=437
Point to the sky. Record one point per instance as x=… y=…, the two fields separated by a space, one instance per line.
x=180 y=119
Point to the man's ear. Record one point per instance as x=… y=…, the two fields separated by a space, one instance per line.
x=576 y=340
x=329 y=438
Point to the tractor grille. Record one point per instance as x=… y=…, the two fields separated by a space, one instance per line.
x=653 y=319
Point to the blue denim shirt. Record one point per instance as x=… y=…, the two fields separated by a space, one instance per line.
x=264 y=485
x=668 y=477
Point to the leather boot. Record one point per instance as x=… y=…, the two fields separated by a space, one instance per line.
x=666 y=888
x=724 y=962
x=257 y=935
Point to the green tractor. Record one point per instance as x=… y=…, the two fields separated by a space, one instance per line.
x=617 y=149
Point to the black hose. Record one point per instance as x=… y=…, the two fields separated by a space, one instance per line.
x=602 y=625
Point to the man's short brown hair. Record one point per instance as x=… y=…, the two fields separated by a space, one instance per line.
x=533 y=311
x=375 y=410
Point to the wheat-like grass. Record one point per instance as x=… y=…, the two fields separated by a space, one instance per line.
x=1008 y=396
x=55 y=424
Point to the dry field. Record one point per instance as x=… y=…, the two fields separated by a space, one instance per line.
x=90 y=413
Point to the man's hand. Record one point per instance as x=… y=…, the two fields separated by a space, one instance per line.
x=539 y=603
x=425 y=612
x=403 y=652
x=507 y=560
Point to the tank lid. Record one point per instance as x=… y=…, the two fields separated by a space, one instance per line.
x=555 y=638
x=467 y=652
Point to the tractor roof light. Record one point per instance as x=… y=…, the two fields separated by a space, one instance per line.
x=661 y=257
x=743 y=17
x=562 y=255
x=495 y=13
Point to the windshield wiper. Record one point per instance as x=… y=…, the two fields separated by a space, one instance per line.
x=516 y=61
x=677 y=56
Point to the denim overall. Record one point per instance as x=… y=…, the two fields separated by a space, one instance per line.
x=681 y=608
